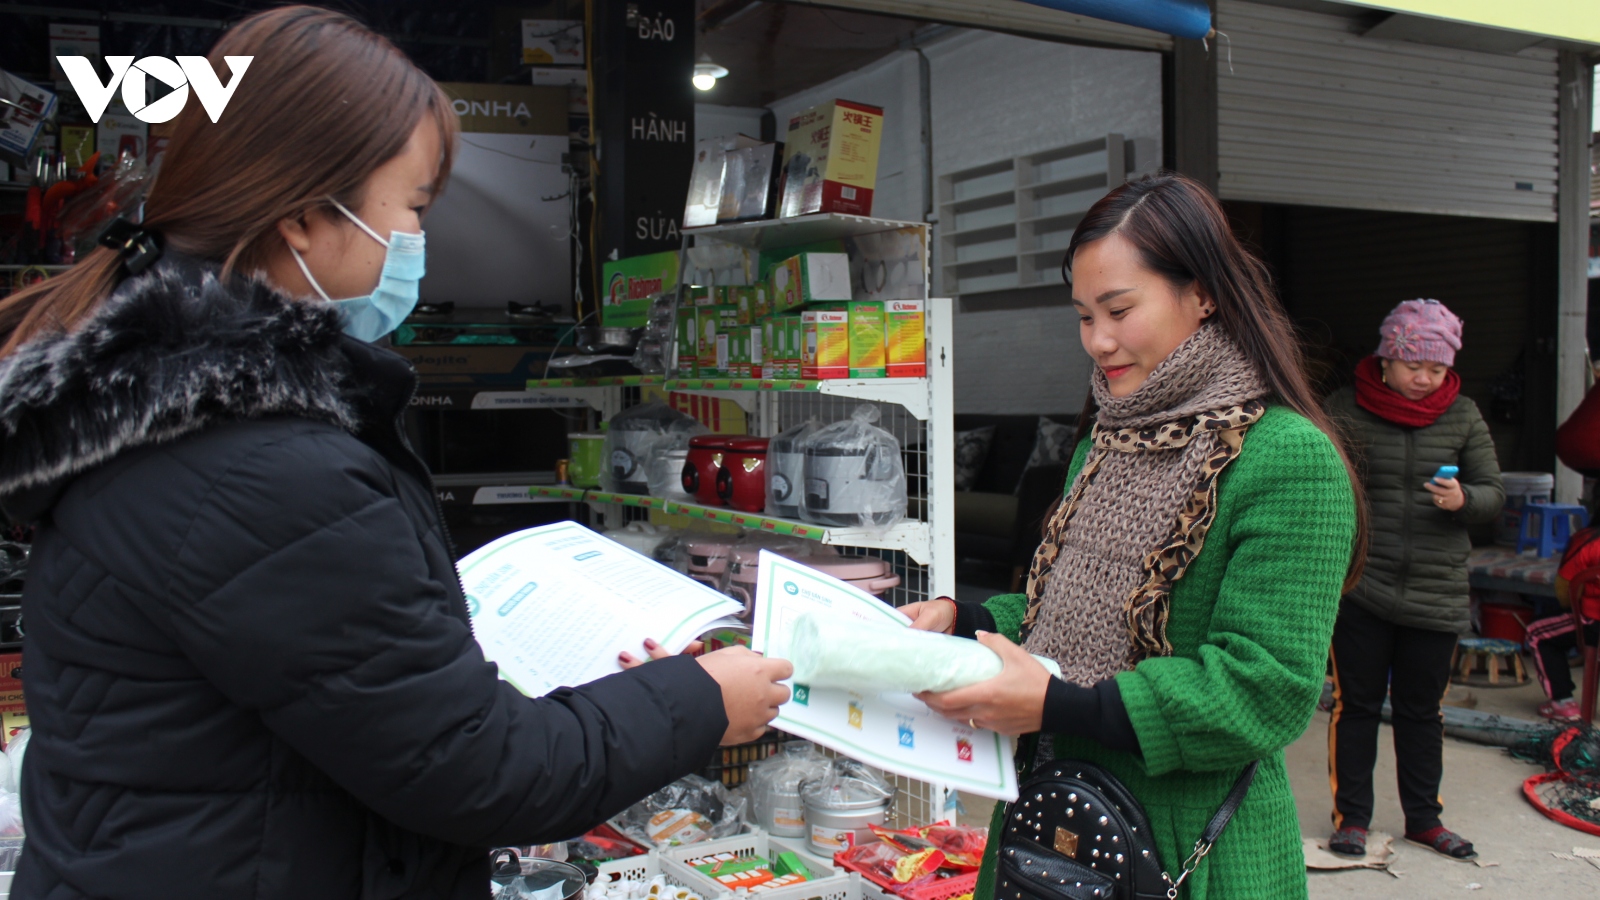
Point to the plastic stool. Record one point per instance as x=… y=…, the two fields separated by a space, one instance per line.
x=1489 y=651
x=1548 y=526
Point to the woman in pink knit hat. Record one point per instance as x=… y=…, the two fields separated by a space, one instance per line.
x=1397 y=628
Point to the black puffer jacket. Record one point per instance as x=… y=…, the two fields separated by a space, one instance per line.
x=248 y=662
x=1417 y=560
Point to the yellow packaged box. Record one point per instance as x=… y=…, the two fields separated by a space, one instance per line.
x=866 y=338
x=906 y=338
x=830 y=159
x=826 y=351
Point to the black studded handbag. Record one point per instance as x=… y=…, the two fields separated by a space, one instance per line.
x=1076 y=833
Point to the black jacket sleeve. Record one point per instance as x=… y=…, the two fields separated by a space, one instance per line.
x=1092 y=712
x=303 y=592
x=972 y=618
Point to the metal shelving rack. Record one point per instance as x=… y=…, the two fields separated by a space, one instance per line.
x=916 y=410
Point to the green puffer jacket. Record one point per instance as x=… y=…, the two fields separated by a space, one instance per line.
x=1250 y=625
x=1417 y=563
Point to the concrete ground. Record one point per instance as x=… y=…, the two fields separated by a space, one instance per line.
x=1482 y=792
x=1483 y=799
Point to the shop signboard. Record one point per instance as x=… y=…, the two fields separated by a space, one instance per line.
x=644 y=113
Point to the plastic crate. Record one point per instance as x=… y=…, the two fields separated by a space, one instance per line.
x=941 y=889
x=731 y=765
x=827 y=884
x=630 y=868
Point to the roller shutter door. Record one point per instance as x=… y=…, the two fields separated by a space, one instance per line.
x=1312 y=113
x=1010 y=15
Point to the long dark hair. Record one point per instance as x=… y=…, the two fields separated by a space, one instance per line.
x=1182 y=234
x=325 y=101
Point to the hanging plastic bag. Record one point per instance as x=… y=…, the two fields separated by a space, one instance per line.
x=870 y=658
x=774 y=787
x=633 y=437
x=687 y=811
x=854 y=475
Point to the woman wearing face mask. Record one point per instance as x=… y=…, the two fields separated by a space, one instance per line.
x=1397 y=630
x=1188 y=583
x=250 y=667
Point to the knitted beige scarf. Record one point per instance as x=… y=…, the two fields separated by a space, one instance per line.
x=1101 y=582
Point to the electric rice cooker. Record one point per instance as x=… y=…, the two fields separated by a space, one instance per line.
x=700 y=471
x=786 y=467
x=742 y=478
x=854 y=483
x=708 y=561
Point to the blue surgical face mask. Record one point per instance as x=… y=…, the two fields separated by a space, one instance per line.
x=372 y=316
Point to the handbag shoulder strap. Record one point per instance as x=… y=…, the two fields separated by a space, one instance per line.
x=1219 y=821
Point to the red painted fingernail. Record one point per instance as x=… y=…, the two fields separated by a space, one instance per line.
x=625 y=657
x=650 y=644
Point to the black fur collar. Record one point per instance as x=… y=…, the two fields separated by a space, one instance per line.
x=171 y=352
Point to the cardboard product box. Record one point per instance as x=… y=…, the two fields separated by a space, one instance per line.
x=739 y=351
x=866 y=338
x=758 y=352
x=631 y=285
x=827 y=344
x=773 y=341
x=810 y=278
x=711 y=353
x=762 y=306
x=906 y=338
x=744 y=297
x=688 y=341
x=830 y=159
x=797 y=344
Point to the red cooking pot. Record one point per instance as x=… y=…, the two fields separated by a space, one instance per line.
x=742 y=483
x=705 y=461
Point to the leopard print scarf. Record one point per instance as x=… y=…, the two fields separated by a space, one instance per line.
x=1100 y=587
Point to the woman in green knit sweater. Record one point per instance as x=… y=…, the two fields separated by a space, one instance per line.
x=1189 y=582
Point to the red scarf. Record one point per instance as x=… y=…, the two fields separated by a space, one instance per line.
x=1386 y=403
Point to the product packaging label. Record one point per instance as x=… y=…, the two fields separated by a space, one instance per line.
x=688 y=342
x=757 y=351
x=906 y=337
x=827 y=344
x=832 y=838
x=866 y=339
x=632 y=283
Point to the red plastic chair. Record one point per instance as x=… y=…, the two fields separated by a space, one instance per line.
x=1586 y=609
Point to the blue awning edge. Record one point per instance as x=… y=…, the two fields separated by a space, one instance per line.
x=1179 y=18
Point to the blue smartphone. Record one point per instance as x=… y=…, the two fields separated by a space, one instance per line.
x=1446 y=472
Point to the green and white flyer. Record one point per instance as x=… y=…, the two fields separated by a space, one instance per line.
x=895 y=732
x=553 y=606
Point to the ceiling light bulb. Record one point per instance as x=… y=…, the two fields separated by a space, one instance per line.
x=707 y=72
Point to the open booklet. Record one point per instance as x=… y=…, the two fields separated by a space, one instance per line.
x=553 y=606
x=895 y=732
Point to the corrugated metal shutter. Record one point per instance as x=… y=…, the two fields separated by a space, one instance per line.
x=1010 y=15
x=1311 y=113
